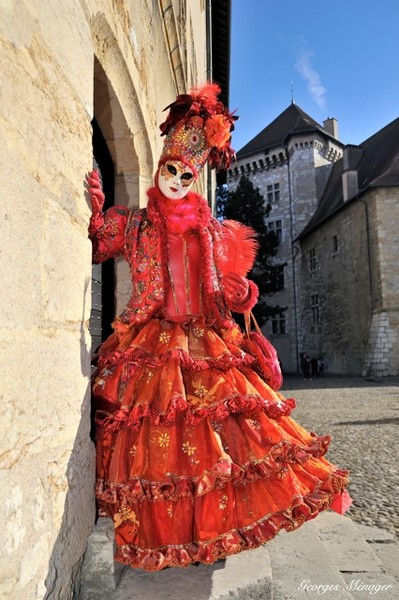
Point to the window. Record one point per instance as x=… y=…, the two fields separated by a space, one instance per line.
x=273 y=193
x=278 y=325
x=312 y=259
x=280 y=277
x=277 y=227
x=276 y=192
x=314 y=305
x=334 y=244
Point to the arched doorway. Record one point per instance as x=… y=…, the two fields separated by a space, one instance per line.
x=115 y=157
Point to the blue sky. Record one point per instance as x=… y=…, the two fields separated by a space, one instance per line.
x=342 y=57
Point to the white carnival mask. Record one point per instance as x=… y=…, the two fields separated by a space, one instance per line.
x=175 y=179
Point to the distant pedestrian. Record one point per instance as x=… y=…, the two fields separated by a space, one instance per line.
x=321 y=365
x=305 y=366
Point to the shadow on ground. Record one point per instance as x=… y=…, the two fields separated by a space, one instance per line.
x=296 y=382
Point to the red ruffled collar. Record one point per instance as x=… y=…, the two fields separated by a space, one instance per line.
x=179 y=216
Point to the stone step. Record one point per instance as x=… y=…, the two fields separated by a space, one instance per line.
x=244 y=576
x=368 y=558
x=330 y=556
x=333 y=558
x=302 y=566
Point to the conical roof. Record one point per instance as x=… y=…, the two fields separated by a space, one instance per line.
x=291 y=121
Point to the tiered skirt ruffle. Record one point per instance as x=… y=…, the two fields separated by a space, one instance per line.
x=197 y=458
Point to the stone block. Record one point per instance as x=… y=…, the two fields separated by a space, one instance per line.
x=21 y=231
x=45 y=408
x=100 y=574
x=302 y=566
x=244 y=576
x=375 y=534
x=371 y=585
x=66 y=276
x=388 y=553
x=346 y=545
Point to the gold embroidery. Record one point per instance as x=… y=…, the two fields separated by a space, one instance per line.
x=164 y=440
x=172 y=285
x=164 y=337
x=254 y=423
x=187 y=449
x=126 y=514
x=199 y=389
x=198 y=332
x=223 y=502
x=132 y=450
x=149 y=376
x=170 y=510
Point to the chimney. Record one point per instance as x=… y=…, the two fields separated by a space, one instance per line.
x=331 y=126
x=351 y=159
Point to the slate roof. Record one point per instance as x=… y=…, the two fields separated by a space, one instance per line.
x=292 y=120
x=378 y=166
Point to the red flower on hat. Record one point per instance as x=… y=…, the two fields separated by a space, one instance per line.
x=217 y=131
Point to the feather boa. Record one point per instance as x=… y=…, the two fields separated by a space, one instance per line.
x=179 y=216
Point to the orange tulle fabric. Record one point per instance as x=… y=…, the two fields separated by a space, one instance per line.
x=197 y=458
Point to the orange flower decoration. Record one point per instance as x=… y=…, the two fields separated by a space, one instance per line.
x=217 y=131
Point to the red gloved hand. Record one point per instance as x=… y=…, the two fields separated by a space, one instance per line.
x=236 y=287
x=96 y=194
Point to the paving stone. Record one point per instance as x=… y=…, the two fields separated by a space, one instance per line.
x=371 y=585
x=375 y=534
x=345 y=543
x=244 y=576
x=302 y=567
x=388 y=553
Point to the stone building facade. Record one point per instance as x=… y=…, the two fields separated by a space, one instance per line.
x=68 y=69
x=334 y=207
x=350 y=298
x=289 y=161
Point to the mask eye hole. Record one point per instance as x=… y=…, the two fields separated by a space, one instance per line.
x=172 y=169
x=187 y=176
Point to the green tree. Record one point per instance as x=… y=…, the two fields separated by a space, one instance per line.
x=247 y=205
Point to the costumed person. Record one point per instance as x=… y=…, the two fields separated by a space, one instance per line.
x=197 y=456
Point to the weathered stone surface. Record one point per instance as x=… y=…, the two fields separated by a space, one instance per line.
x=244 y=576
x=303 y=568
x=100 y=574
x=347 y=547
x=51 y=56
x=371 y=585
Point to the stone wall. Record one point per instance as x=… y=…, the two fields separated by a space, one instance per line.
x=337 y=325
x=50 y=82
x=356 y=282
x=382 y=355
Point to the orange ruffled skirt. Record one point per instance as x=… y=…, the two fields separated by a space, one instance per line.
x=197 y=458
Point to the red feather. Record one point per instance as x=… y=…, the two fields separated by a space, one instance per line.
x=240 y=247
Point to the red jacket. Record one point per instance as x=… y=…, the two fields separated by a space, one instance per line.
x=140 y=236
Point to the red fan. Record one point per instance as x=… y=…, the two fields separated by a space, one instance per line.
x=341 y=502
x=240 y=247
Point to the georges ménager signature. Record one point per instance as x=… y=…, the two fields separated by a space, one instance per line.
x=354 y=585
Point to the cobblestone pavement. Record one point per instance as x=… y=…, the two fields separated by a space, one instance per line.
x=362 y=416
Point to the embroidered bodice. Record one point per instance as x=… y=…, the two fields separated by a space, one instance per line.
x=185 y=294
x=174 y=273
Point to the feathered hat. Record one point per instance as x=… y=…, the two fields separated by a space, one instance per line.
x=198 y=129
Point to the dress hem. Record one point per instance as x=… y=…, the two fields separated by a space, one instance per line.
x=237 y=540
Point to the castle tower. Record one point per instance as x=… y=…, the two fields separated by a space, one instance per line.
x=289 y=161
